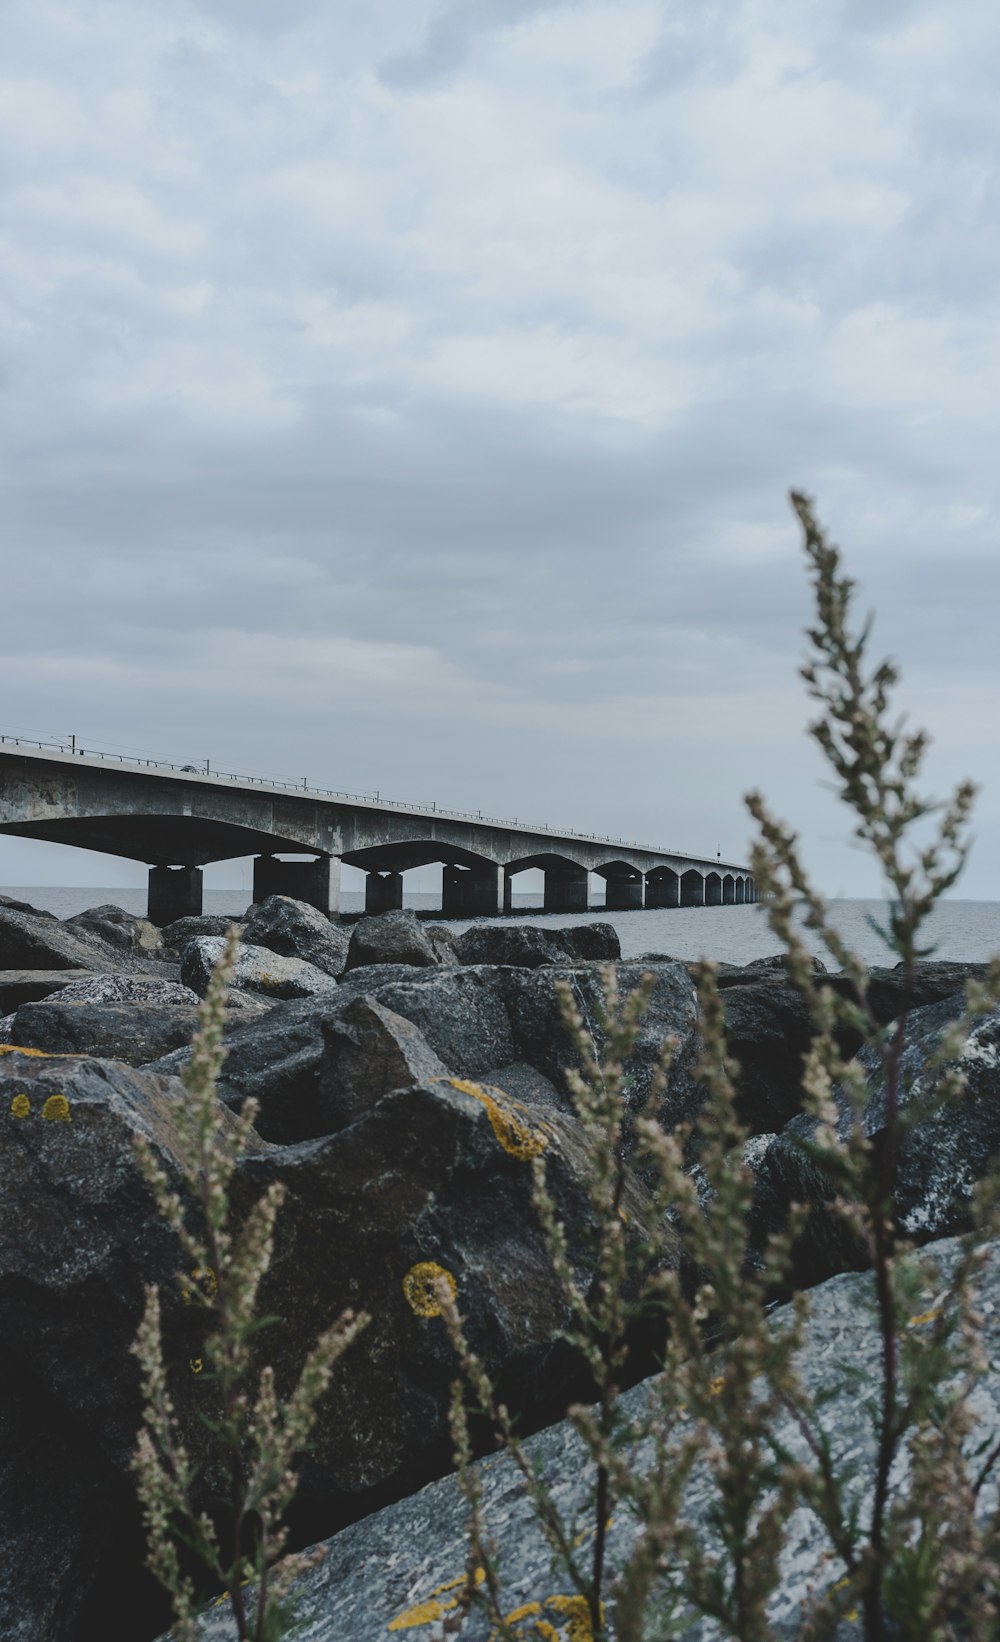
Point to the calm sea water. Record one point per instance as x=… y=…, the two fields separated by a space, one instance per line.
x=966 y=931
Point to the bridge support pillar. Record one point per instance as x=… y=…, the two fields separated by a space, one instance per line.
x=467 y=892
x=508 y=892
x=383 y=892
x=663 y=889
x=566 y=890
x=692 y=889
x=174 y=892
x=315 y=882
x=623 y=894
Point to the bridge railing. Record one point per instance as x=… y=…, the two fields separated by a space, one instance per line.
x=351 y=797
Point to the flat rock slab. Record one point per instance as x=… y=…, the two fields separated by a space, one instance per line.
x=398 y=1572
x=130 y=1032
x=19 y=986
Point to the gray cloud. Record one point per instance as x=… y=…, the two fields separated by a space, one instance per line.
x=408 y=395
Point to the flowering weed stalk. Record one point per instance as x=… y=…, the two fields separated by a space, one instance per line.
x=257 y=1436
x=913 y=1553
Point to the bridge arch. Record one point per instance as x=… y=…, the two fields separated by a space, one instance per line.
x=623 y=885
x=713 y=889
x=663 y=887
x=567 y=883
x=729 y=890
x=161 y=839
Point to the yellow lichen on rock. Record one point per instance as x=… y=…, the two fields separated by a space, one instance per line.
x=574 y=1617
x=432 y=1608
x=56 y=1110
x=570 y=1621
x=20 y=1106
x=420 y=1285
x=517 y=1138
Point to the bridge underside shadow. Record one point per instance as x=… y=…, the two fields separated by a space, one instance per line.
x=176 y=848
x=471 y=885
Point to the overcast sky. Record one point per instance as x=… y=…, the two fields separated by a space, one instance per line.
x=405 y=393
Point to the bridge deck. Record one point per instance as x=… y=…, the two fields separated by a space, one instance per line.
x=179 y=818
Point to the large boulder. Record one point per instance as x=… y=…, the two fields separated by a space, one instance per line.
x=391 y=938
x=34 y=940
x=314 y=1069
x=541 y=1039
x=529 y=946
x=401 y=1569
x=941 y=1156
x=81 y=1238
x=437 y=1173
x=257 y=970
x=433 y=1174
x=311 y=1056
x=297 y=930
x=462 y=1013
x=769 y=1026
x=117 y=928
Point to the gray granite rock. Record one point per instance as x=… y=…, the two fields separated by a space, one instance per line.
x=391 y=938
x=31 y=940
x=118 y=929
x=257 y=970
x=296 y=930
x=398 y=1571
x=131 y=1032
x=328 y=1069
x=943 y=1153
x=540 y=1038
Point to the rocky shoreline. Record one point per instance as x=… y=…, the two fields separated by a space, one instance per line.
x=401 y=1072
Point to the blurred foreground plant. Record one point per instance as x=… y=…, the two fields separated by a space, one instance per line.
x=912 y=1551
x=256 y=1435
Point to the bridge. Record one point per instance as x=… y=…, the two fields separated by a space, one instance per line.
x=178 y=818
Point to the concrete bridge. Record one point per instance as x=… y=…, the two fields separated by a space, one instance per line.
x=179 y=818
